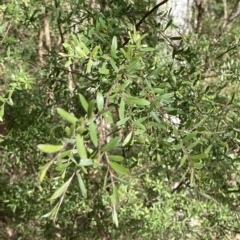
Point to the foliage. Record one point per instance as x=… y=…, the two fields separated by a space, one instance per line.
x=117 y=129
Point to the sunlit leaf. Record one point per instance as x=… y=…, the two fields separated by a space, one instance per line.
x=95 y=51
x=122 y=109
x=44 y=169
x=115 y=217
x=80 y=147
x=58 y=193
x=115 y=196
x=1 y=113
x=85 y=48
x=67 y=116
x=48 y=148
x=114 y=47
x=100 y=101
x=128 y=139
x=89 y=66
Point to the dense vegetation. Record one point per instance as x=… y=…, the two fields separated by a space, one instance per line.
x=118 y=124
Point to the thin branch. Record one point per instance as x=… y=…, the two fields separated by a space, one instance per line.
x=137 y=26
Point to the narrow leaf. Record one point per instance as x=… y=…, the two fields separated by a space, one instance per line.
x=128 y=139
x=137 y=101
x=61 y=190
x=81 y=185
x=81 y=148
x=89 y=66
x=114 y=216
x=116 y=158
x=44 y=169
x=199 y=156
x=114 y=47
x=100 y=101
x=48 y=148
x=122 y=109
x=1 y=113
x=83 y=102
x=115 y=196
x=67 y=116
x=112 y=144
x=90 y=108
x=93 y=133
x=118 y=168
x=183 y=160
x=85 y=48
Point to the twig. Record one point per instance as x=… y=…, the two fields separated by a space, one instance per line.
x=137 y=26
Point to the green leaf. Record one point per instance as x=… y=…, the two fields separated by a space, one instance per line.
x=93 y=133
x=128 y=139
x=112 y=144
x=108 y=116
x=114 y=47
x=60 y=191
x=81 y=185
x=208 y=149
x=1 y=113
x=95 y=52
x=121 y=109
x=189 y=136
x=65 y=154
x=122 y=121
x=114 y=216
x=116 y=158
x=83 y=102
x=113 y=64
x=199 y=156
x=137 y=101
x=175 y=131
x=85 y=48
x=3 y=26
x=80 y=147
x=89 y=66
x=48 y=148
x=104 y=70
x=198 y=165
x=68 y=63
x=118 y=168
x=90 y=108
x=60 y=166
x=44 y=169
x=155 y=116
x=115 y=196
x=183 y=160
x=86 y=162
x=100 y=101
x=177 y=147
x=70 y=130
x=67 y=116
x=75 y=40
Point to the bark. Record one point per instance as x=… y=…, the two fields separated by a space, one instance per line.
x=235 y=13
